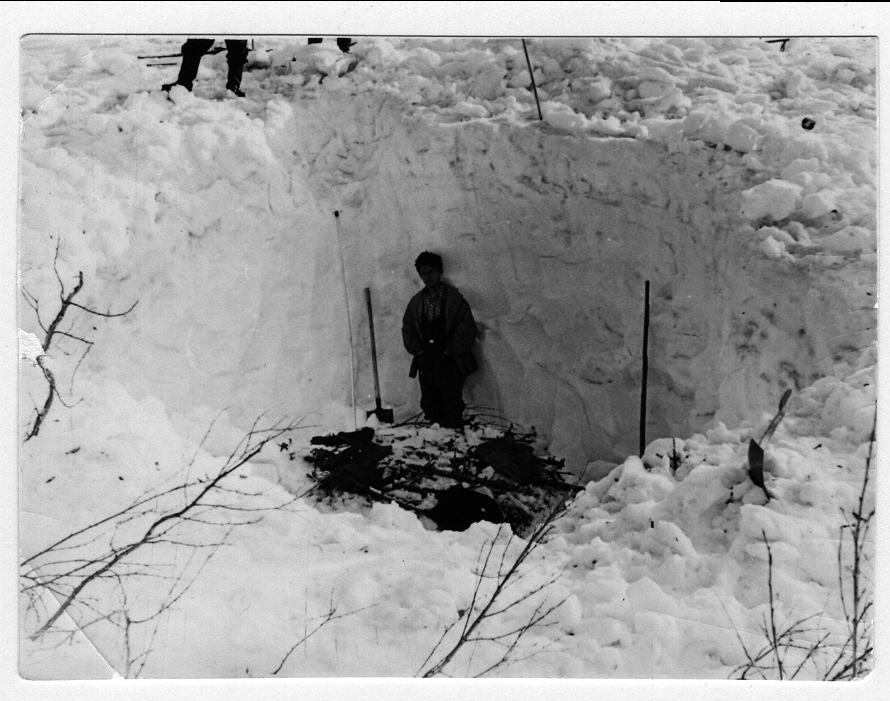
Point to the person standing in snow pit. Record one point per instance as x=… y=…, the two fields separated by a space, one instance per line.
x=194 y=49
x=439 y=330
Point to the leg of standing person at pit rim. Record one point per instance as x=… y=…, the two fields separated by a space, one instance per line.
x=193 y=51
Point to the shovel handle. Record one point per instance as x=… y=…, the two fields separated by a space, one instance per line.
x=373 y=346
x=777 y=418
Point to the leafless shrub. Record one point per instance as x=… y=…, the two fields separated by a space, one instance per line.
x=854 y=659
x=474 y=625
x=53 y=332
x=782 y=639
x=127 y=569
x=320 y=622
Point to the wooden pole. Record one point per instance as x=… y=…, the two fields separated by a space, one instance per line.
x=532 y=74
x=645 y=373
x=348 y=318
x=373 y=347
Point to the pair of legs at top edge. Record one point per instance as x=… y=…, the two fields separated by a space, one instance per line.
x=192 y=52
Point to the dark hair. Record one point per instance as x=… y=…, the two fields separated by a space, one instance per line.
x=431 y=259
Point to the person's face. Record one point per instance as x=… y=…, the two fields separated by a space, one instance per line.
x=430 y=276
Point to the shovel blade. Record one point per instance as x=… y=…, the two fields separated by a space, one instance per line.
x=384 y=416
x=755 y=466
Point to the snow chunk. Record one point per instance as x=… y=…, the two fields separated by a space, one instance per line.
x=570 y=614
x=636 y=484
x=657 y=453
x=661 y=129
x=843 y=50
x=610 y=126
x=520 y=79
x=775 y=199
x=850 y=239
x=383 y=55
x=742 y=137
x=701 y=124
x=655 y=74
x=818 y=204
x=796 y=83
x=673 y=538
x=423 y=57
x=801 y=165
x=473 y=111
x=772 y=249
x=716 y=128
x=778 y=234
x=600 y=89
x=563 y=117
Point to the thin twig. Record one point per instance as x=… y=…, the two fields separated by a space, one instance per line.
x=774 y=640
x=157 y=531
x=52 y=331
x=505 y=576
x=108 y=314
x=331 y=615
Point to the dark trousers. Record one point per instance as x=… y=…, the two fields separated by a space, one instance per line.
x=441 y=390
x=194 y=49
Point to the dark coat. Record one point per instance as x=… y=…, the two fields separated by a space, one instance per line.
x=460 y=330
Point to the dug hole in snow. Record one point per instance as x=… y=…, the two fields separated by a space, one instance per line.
x=681 y=162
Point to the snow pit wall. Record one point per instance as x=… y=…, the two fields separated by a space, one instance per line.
x=549 y=236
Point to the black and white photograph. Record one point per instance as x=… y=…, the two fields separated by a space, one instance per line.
x=396 y=355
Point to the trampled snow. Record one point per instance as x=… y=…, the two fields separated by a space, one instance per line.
x=739 y=179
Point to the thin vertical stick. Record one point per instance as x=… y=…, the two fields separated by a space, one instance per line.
x=373 y=348
x=348 y=318
x=858 y=545
x=532 y=74
x=774 y=640
x=645 y=374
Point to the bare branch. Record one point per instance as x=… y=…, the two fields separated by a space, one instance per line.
x=56 y=269
x=66 y=302
x=493 y=605
x=76 y=338
x=108 y=314
x=33 y=303
x=161 y=523
x=774 y=640
x=53 y=330
x=331 y=615
x=77 y=367
x=48 y=402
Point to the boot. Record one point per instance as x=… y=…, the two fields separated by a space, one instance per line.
x=192 y=51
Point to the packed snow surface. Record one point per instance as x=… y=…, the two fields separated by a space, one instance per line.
x=737 y=178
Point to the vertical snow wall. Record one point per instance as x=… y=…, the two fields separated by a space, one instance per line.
x=221 y=224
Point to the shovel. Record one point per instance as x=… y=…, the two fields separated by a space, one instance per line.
x=755 y=451
x=383 y=415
